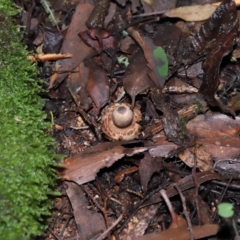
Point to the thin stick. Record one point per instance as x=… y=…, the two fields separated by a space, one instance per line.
x=103 y=235
x=169 y=205
x=190 y=229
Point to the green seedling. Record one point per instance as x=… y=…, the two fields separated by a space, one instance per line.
x=123 y=60
x=47 y=7
x=225 y=210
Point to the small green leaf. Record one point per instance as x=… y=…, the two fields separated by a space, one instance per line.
x=161 y=64
x=225 y=210
x=161 y=60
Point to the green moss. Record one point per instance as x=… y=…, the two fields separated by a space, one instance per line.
x=26 y=178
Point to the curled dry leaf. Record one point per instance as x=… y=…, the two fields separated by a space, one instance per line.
x=83 y=167
x=216 y=38
x=98 y=39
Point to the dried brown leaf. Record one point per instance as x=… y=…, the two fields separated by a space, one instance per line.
x=147 y=167
x=218 y=129
x=139 y=224
x=89 y=223
x=218 y=135
x=72 y=44
x=182 y=233
x=83 y=167
x=148 y=47
x=136 y=79
x=97 y=84
x=202 y=157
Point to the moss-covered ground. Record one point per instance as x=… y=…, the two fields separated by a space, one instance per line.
x=26 y=151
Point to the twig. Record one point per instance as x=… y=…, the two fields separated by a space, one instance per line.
x=223 y=194
x=103 y=235
x=195 y=180
x=185 y=211
x=169 y=205
x=89 y=192
x=54 y=235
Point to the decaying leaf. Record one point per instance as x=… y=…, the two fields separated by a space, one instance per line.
x=136 y=79
x=180 y=228
x=156 y=58
x=52 y=40
x=83 y=167
x=185 y=184
x=171 y=121
x=98 y=14
x=97 y=84
x=182 y=233
x=76 y=84
x=89 y=223
x=203 y=158
x=72 y=44
x=149 y=2
x=215 y=38
x=217 y=129
x=234 y=104
x=217 y=135
x=98 y=39
x=160 y=147
x=147 y=167
x=139 y=223
x=177 y=45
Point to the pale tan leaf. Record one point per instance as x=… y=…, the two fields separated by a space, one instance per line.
x=203 y=158
x=149 y=2
x=192 y=13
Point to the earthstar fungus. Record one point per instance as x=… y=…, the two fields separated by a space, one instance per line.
x=119 y=122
